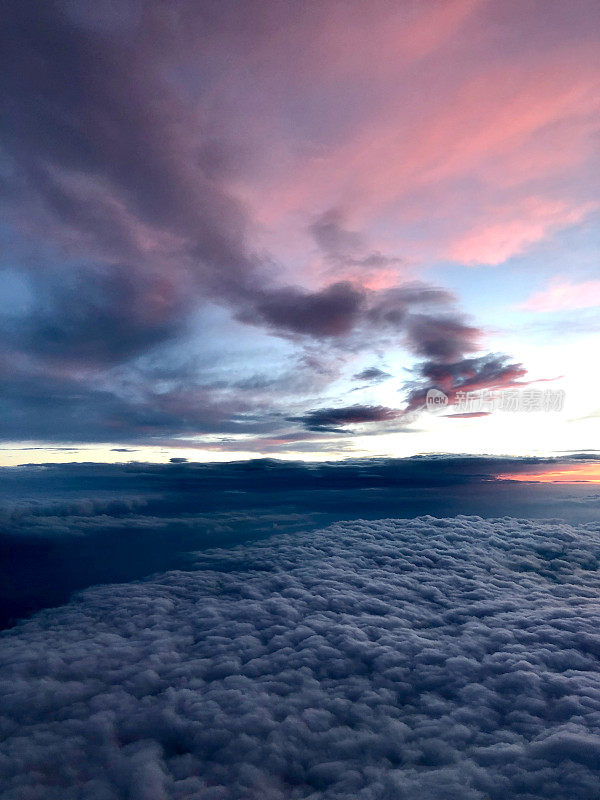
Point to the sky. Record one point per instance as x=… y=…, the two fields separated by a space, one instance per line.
x=249 y=229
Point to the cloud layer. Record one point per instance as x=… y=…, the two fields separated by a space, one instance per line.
x=455 y=658
x=66 y=527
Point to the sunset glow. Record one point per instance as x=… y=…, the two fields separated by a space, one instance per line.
x=575 y=473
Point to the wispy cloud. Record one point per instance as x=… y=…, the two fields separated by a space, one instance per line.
x=564 y=295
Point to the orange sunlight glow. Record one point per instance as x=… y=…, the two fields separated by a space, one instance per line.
x=574 y=473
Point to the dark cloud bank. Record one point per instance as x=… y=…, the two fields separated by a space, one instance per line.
x=330 y=419
x=394 y=659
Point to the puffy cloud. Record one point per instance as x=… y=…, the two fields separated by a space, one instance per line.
x=454 y=658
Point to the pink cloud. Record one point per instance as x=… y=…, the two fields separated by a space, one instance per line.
x=474 y=160
x=562 y=295
x=515 y=228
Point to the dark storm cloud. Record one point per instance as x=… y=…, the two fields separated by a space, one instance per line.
x=330 y=419
x=342 y=307
x=90 y=102
x=395 y=659
x=471 y=373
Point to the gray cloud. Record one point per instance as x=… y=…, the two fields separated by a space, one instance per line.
x=332 y=237
x=346 y=248
x=329 y=312
x=372 y=375
x=443 y=338
x=391 y=307
x=330 y=419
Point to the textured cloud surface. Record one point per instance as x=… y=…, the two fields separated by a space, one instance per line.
x=431 y=658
